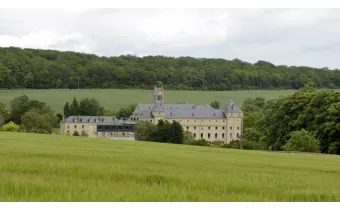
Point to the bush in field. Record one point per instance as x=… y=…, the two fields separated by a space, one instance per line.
x=10 y=127
x=22 y=129
x=201 y=142
x=302 y=141
x=249 y=145
x=217 y=143
x=83 y=133
x=188 y=137
x=234 y=144
x=75 y=133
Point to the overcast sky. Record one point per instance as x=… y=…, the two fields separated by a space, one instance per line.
x=309 y=37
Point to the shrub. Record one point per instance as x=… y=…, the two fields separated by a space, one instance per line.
x=75 y=133
x=217 y=143
x=22 y=128
x=83 y=133
x=10 y=127
x=249 y=145
x=188 y=137
x=201 y=142
x=302 y=141
x=38 y=130
x=234 y=144
x=334 y=148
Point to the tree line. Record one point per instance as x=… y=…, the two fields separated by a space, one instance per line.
x=26 y=115
x=306 y=121
x=92 y=107
x=46 y=69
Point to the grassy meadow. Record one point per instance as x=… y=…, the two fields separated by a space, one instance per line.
x=37 y=167
x=117 y=98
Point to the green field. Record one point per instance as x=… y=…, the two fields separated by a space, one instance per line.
x=55 y=168
x=117 y=98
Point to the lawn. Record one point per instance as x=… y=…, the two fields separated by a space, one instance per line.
x=37 y=167
x=117 y=98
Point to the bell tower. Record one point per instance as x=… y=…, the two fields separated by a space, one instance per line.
x=158 y=95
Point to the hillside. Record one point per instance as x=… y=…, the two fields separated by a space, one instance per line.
x=116 y=99
x=56 y=168
x=50 y=69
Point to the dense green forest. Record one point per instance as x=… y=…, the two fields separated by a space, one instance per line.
x=44 y=69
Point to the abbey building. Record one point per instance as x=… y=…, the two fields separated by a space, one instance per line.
x=203 y=121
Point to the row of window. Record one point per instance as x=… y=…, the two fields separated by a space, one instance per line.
x=216 y=128
x=75 y=126
x=216 y=135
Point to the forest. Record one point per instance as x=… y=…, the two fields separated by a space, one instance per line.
x=50 y=69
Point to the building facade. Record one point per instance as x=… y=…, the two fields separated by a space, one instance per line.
x=98 y=126
x=203 y=121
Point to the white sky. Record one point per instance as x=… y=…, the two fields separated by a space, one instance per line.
x=309 y=37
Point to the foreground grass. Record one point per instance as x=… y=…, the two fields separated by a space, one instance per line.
x=115 y=99
x=56 y=168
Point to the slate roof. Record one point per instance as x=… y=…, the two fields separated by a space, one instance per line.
x=94 y=119
x=232 y=108
x=185 y=111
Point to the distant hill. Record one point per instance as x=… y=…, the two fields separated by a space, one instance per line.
x=46 y=69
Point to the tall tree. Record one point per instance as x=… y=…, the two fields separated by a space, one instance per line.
x=177 y=136
x=4 y=114
x=74 y=107
x=90 y=107
x=215 y=104
x=19 y=106
x=67 y=111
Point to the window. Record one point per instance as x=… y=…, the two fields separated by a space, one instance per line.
x=215 y=135
x=195 y=135
x=208 y=135
x=187 y=127
x=237 y=135
x=194 y=128
x=68 y=127
x=75 y=126
x=231 y=135
x=238 y=128
x=194 y=120
x=180 y=120
x=222 y=128
x=201 y=128
x=216 y=128
x=201 y=120
x=202 y=135
x=150 y=120
x=187 y=120
x=209 y=128
x=224 y=121
x=222 y=135
x=82 y=126
x=173 y=120
x=231 y=128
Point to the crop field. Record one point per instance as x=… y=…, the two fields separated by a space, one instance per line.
x=36 y=167
x=117 y=98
